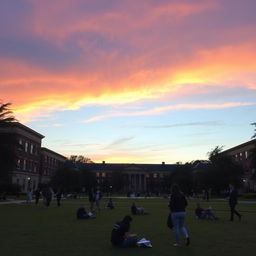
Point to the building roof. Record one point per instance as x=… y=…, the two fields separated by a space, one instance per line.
x=248 y=143
x=115 y=167
x=22 y=127
x=52 y=152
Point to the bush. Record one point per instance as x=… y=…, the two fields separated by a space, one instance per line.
x=249 y=195
x=10 y=189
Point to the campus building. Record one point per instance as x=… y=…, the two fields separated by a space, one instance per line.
x=135 y=177
x=241 y=154
x=34 y=164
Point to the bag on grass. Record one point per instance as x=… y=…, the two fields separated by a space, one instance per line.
x=143 y=242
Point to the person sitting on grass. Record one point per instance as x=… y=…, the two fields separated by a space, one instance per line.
x=110 y=205
x=137 y=210
x=205 y=213
x=81 y=213
x=120 y=236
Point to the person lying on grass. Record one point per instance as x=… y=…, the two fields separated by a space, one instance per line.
x=202 y=213
x=110 y=204
x=81 y=213
x=137 y=210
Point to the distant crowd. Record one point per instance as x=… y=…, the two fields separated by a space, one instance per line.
x=121 y=237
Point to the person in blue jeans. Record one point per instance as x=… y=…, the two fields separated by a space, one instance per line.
x=177 y=206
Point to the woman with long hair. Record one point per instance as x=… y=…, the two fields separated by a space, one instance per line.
x=177 y=206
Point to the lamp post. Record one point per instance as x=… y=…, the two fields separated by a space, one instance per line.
x=29 y=181
x=110 y=190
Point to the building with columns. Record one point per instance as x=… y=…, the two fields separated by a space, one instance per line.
x=136 y=177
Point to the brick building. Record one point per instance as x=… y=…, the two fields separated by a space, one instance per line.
x=34 y=164
x=241 y=154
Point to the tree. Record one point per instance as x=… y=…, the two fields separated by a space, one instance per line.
x=6 y=116
x=223 y=171
x=66 y=178
x=117 y=180
x=80 y=159
x=254 y=135
x=8 y=143
x=182 y=176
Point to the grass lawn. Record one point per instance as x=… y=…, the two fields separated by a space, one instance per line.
x=34 y=230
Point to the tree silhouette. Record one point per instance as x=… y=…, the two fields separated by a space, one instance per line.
x=8 y=143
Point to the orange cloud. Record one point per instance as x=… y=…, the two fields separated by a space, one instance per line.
x=36 y=91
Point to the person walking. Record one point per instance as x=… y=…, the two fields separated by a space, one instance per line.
x=98 y=197
x=29 y=195
x=58 y=197
x=233 y=202
x=37 y=195
x=91 y=196
x=177 y=207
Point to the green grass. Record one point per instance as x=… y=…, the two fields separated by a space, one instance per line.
x=35 y=231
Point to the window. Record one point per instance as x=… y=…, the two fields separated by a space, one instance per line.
x=26 y=147
x=35 y=169
x=97 y=174
x=103 y=174
x=24 y=164
x=18 y=163
x=31 y=149
x=155 y=175
x=246 y=154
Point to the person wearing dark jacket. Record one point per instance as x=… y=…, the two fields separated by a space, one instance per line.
x=233 y=203
x=120 y=236
x=177 y=206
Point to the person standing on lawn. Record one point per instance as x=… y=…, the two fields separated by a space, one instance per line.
x=177 y=206
x=92 y=198
x=233 y=202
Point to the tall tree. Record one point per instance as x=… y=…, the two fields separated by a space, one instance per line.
x=7 y=144
x=223 y=170
x=6 y=114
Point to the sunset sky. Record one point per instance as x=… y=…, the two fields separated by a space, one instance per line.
x=131 y=81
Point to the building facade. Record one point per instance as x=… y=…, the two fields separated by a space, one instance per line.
x=241 y=154
x=50 y=162
x=135 y=178
x=30 y=157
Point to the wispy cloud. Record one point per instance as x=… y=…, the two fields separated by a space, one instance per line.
x=119 y=142
x=162 y=110
x=212 y=123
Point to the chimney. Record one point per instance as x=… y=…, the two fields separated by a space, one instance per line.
x=103 y=162
x=163 y=163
